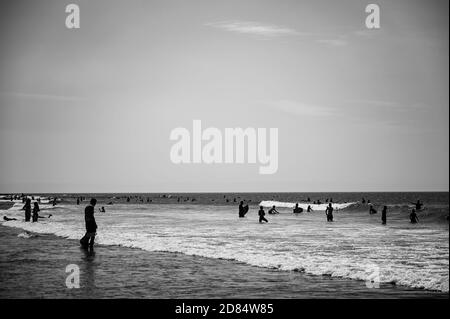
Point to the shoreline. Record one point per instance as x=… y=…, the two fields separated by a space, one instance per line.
x=122 y=272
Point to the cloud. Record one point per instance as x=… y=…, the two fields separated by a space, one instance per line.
x=51 y=97
x=255 y=28
x=333 y=42
x=302 y=109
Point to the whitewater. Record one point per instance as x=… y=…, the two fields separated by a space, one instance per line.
x=354 y=246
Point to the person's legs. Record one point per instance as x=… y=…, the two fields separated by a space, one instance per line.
x=91 y=242
x=85 y=240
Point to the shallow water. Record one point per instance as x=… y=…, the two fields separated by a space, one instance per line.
x=355 y=246
x=34 y=267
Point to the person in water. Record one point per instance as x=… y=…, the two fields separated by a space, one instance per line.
x=418 y=205
x=329 y=213
x=309 y=209
x=261 y=214
x=383 y=215
x=35 y=212
x=102 y=210
x=273 y=211
x=297 y=209
x=91 y=225
x=372 y=210
x=413 y=217
x=8 y=219
x=242 y=209
x=27 y=209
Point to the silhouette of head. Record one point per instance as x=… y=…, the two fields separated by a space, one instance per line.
x=28 y=201
x=93 y=201
x=36 y=204
x=241 y=202
x=260 y=207
x=273 y=206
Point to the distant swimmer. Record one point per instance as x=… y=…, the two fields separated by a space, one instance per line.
x=273 y=211
x=91 y=225
x=363 y=200
x=242 y=209
x=329 y=213
x=102 y=210
x=27 y=209
x=418 y=205
x=78 y=201
x=261 y=214
x=413 y=217
x=309 y=209
x=8 y=219
x=372 y=210
x=383 y=215
x=297 y=209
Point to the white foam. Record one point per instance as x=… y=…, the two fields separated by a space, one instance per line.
x=288 y=242
x=315 y=207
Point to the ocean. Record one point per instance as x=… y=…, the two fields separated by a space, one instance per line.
x=355 y=248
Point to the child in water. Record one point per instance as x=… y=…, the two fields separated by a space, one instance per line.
x=413 y=217
x=261 y=214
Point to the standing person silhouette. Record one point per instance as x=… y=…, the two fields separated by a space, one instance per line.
x=35 y=212
x=27 y=208
x=242 y=209
x=329 y=213
x=261 y=214
x=413 y=217
x=91 y=225
x=383 y=215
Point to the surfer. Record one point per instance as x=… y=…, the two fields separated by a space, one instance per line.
x=273 y=211
x=418 y=205
x=372 y=210
x=261 y=214
x=297 y=209
x=413 y=217
x=242 y=209
x=329 y=213
x=91 y=225
x=8 y=219
x=102 y=210
x=309 y=209
x=27 y=208
x=383 y=215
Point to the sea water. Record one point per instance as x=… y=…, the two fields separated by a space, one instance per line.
x=354 y=246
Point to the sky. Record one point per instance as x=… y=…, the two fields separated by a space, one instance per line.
x=92 y=109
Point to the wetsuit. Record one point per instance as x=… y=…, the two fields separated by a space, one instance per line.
x=261 y=216
x=91 y=227
x=383 y=216
x=243 y=210
x=329 y=212
x=27 y=209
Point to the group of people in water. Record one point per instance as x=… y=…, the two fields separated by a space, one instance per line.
x=31 y=214
x=243 y=210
